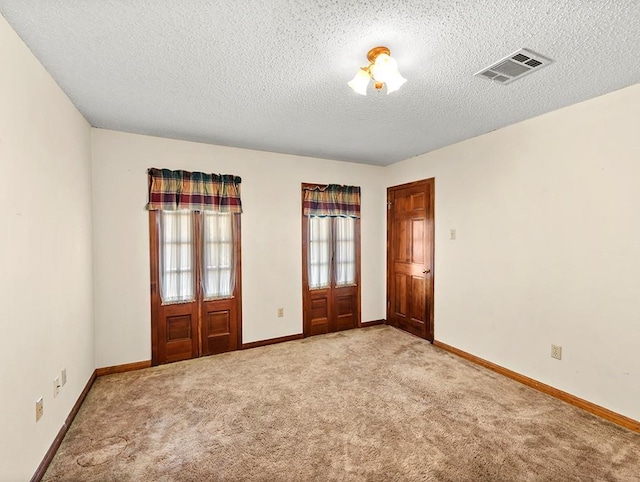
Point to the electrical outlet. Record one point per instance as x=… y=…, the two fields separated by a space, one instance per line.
x=63 y=376
x=56 y=386
x=39 y=409
x=280 y=312
x=556 y=352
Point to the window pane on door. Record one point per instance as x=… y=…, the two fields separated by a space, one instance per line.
x=176 y=257
x=319 y=252
x=218 y=278
x=345 y=240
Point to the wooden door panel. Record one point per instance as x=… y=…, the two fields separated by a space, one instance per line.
x=219 y=326
x=410 y=303
x=179 y=344
x=401 y=246
x=177 y=332
x=418 y=202
x=410 y=258
x=400 y=291
x=346 y=308
x=219 y=322
x=218 y=336
x=414 y=327
x=418 y=311
x=403 y=205
x=320 y=313
x=418 y=241
x=178 y=328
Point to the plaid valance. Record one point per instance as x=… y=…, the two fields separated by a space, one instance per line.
x=332 y=201
x=195 y=191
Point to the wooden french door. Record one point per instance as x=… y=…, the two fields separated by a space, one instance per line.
x=410 y=250
x=334 y=307
x=201 y=327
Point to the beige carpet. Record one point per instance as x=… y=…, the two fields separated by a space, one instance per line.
x=365 y=405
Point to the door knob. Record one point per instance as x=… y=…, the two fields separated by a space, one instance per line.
x=425 y=271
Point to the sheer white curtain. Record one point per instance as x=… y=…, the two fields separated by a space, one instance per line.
x=176 y=256
x=319 y=252
x=218 y=278
x=345 y=254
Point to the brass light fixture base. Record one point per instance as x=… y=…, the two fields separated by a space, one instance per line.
x=372 y=55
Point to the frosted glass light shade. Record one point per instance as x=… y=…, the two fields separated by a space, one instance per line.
x=360 y=82
x=384 y=68
x=395 y=82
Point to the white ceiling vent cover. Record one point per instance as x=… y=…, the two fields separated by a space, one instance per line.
x=514 y=67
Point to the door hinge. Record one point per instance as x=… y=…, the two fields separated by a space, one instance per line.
x=389 y=203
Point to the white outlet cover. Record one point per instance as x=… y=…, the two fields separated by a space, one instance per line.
x=56 y=386
x=63 y=376
x=39 y=408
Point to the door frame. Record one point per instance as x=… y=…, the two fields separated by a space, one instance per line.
x=429 y=304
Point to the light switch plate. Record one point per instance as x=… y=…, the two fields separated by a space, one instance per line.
x=56 y=386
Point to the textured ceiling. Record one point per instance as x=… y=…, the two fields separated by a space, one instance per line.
x=271 y=75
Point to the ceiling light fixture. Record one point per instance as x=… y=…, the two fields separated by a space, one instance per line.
x=382 y=69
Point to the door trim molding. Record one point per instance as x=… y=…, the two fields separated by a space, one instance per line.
x=154 y=288
x=581 y=403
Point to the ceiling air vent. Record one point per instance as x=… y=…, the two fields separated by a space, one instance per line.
x=514 y=67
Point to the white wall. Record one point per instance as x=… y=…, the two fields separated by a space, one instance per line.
x=271 y=235
x=547 y=214
x=45 y=256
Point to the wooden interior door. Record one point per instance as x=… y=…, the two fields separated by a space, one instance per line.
x=410 y=248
